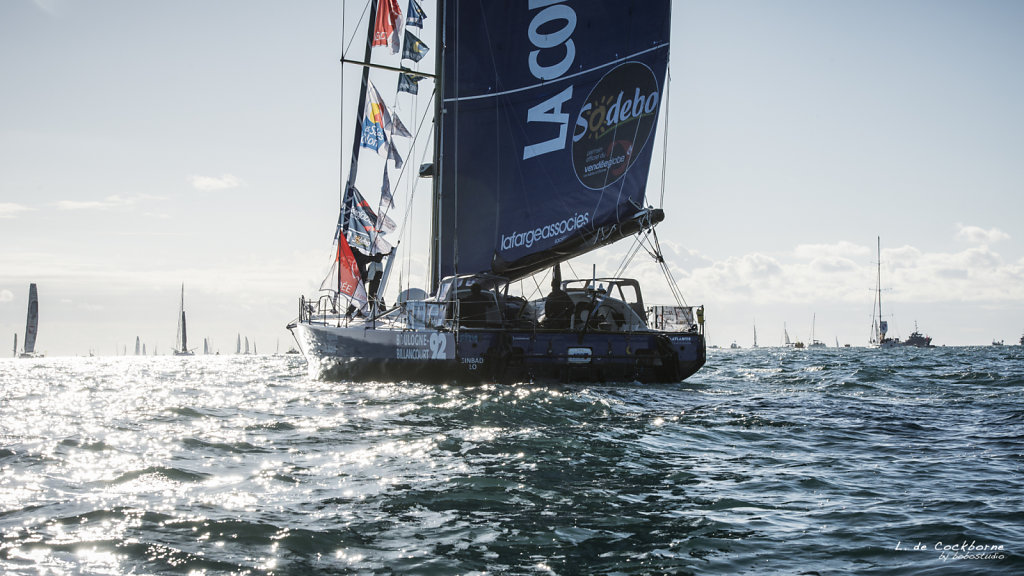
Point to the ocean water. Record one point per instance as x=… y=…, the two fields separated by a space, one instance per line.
x=768 y=461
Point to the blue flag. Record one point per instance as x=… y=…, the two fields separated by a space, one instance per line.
x=409 y=83
x=414 y=49
x=374 y=121
x=360 y=226
x=415 y=15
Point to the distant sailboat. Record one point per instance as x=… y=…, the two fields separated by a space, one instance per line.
x=181 y=346
x=31 y=324
x=206 y=346
x=238 y=345
x=788 y=343
x=879 y=327
x=815 y=343
x=138 y=345
x=15 y=344
x=755 y=335
x=246 y=344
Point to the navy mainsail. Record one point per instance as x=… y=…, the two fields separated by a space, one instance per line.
x=547 y=130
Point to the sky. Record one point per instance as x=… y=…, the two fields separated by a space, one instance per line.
x=147 y=145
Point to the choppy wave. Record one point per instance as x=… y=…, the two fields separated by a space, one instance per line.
x=768 y=461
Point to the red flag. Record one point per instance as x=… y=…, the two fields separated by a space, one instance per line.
x=387 y=25
x=350 y=282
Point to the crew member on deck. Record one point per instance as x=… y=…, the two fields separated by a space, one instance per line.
x=473 y=308
x=558 y=307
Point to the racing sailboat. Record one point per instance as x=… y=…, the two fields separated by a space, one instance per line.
x=545 y=119
x=31 y=325
x=181 y=343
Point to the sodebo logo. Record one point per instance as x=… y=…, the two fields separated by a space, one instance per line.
x=614 y=124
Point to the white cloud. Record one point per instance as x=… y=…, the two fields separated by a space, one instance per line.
x=110 y=202
x=10 y=210
x=211 y=183
x=832 y=264
x=978 y=235
x=845 y=250
x=6 y=296
x=846 y=274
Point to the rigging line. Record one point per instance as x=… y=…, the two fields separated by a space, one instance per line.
x=402 y=173
x=404 y=229
x=416 y=137
x=366 y=8
x=664 y=146
x=571 y=269
x=343 y=183
x=410 y=191
x=628 y=258
x=560 y=78
x=380 y=208
x=537 y=289
x=673 y=286
x=341 y=122
x=411 y=184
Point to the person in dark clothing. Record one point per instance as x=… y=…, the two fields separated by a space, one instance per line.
x=473 y=308
x=558 y=307
x=371 y=269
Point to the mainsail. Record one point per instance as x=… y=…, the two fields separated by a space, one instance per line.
x=32 y=322
x=182 y=339
x=548 y=113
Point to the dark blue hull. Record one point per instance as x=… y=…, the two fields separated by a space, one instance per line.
x=363 y=353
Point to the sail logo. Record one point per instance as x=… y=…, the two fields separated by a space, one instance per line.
x=550 y=33
x=554 y=230
x=614 y=124
x=373 y=127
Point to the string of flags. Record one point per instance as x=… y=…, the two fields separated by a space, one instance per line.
x=388 y=27
x=360 y=230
